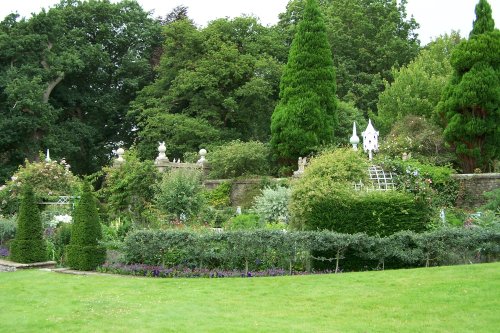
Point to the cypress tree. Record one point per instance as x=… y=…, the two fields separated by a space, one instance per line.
x=305 y=116
x=470 y=105
x=84 y=251
x=28 y=245
x=484 y=20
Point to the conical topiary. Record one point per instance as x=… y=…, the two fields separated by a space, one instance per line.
x=28 y=245
x=84 y=252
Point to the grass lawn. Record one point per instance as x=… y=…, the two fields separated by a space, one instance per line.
x=443 y=299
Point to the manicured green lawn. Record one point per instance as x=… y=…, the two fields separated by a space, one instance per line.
x=444 y=299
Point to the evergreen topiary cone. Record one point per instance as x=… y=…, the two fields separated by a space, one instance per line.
x=84 y=252
x=28 y=245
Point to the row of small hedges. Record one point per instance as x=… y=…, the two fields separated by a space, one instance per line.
x=263 y=249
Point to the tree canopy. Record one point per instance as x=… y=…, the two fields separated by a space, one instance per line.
x=417 y=87
x=226 y=75
x=67 y=76
x=367 y=37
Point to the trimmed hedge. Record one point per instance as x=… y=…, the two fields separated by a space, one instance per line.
x=324 y=198
x=28 y=245
x=84 y=252
x=264 y=249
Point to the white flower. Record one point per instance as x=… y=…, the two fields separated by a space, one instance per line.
x=63 y=218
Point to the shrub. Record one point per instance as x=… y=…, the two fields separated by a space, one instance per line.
x=180 y=194
x=84 y=252
x=418 y=136
x=128 y=190
x=425 y=181
x=48 y=180
x=220 y=196
x=324 y=198
x=258 y=250
x=239 y=158
x=8 y=228
x=243 y=222
x=272 y=204
x=28 y=245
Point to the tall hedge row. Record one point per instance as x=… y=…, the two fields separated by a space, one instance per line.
x=28 y=245
x=261 y=249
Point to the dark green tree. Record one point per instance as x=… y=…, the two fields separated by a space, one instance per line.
x=470 y=105
x=28 y=245
x=226 y=75
x=67 y=76
x=84 y=252
x=305 y=116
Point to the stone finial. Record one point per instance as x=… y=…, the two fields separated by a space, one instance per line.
x=202 y=161
x=120 y=160
x=354 y=138
x=370 y=139
x=162 y=157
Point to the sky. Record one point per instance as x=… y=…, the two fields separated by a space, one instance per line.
x=436 y=17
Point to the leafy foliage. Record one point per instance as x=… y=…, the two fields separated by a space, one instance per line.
x=305 y=116
x=180 y=194
x=28 y=245
x=470 y=105
x=260 y=249
x=238 y=158
x=272 y=204
x=181 y=134
x=417 y=86
x=324 y=198
x=243 y=222
x=419 y=138
x=221 y=80
x=128 y=190
x=49 y=180
x=8 y=228
x=368 y=39
x=67 y=76
x=84 y=252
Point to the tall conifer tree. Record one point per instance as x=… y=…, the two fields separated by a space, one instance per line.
x=470 y=105
x=305 y=116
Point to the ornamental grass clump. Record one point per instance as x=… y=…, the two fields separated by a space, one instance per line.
x=28 y=245
x=84 y=252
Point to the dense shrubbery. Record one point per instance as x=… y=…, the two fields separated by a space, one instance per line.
x=128 y=190
x=419 y=137
x=324 y=198
x=8 y=228
x=264 y=249
x=180 y=194
x=48 y=179
x=28 y=245
x=84 y=252
x=239 y=158
x=425 y=181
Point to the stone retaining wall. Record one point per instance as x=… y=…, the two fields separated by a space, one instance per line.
x=242 y=190
x=472 y=187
